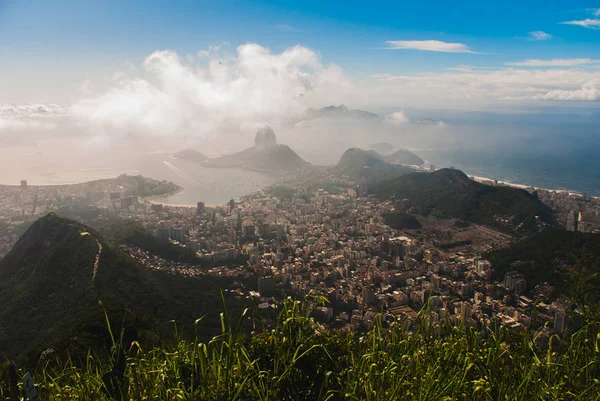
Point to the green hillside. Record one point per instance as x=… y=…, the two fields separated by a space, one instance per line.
x=60 y=278
x=353 y=160
x=450 y=193
x=549 y=256
x=132 y=233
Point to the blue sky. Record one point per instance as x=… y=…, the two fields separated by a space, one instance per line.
x=475 y=52
x=348 y=33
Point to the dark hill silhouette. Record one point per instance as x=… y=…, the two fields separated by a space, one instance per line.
x=383 y=148
x=450 y=193
x=266 y=155
x=353 y=160
x=60 y=278
x=340 y=111
x=191 y=155
x=403 y=156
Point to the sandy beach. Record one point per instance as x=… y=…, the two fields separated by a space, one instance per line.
x=521 y=186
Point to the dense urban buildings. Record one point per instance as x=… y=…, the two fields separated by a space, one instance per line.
x=333 y=243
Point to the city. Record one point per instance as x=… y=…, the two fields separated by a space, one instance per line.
x=295 y=241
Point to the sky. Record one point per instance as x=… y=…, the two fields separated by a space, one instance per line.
x=114 y=68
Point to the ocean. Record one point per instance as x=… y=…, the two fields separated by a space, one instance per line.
x=549 y=151
x=579 y=172
x=209 y=185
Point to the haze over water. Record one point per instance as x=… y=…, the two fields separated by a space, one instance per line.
x=212 y=186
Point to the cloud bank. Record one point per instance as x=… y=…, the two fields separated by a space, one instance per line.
x=556 y=62
x=215 y=93
x=495 y=87
x=30 y=116
x=428 y=45
x=193 y=97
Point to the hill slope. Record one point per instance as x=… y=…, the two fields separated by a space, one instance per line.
x=547 y=257
x=265 y=155
x=191 y=155
x=403 y=156
x=353 y=160
x=132 y=233
x=61 y=275
x=450 y=193
x=340 y=111
x=278 y=157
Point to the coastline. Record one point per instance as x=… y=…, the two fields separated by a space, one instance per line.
x=151 y=198
x=153 y=202
x=485 y=180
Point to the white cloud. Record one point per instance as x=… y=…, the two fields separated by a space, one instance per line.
x=453 y=89
x=586 y=23
x=428 y=45
x=32 y=116
x=555 y=62
x=171 y=96
x=397 y=118
x=589 y=91
x=539 y=35
x=31 y=110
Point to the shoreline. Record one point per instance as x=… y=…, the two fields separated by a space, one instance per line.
x=485 y=180
x=181 y=205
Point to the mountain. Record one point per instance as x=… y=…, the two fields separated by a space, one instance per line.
x=60 y=279
x=549 y=256
x=353 y=160
x=399 y=156
x=133 y=233
x=450 y=193
x=191 y=155
x=403 y=156
x=340 y=112
x=426 y=121
x=383 y=148
x=266 y=154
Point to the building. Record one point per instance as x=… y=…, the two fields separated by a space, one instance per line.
x=200 y=208
x=560 y=321
x=368 y=295
x=177 y=234
x=266 y=286
x=465 y=310
x=364 y=181
x=24 y=184
x=515 y=281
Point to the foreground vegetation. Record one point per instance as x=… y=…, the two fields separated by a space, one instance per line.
x=296 y=360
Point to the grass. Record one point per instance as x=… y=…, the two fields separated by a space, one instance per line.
x=296 y=359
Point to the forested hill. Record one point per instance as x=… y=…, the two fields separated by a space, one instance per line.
x=61 y=277
x=550 y=256
x=450 y=193
x=353 y=160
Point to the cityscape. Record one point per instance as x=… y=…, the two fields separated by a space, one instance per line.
x=301 y=239
x=299 y=200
